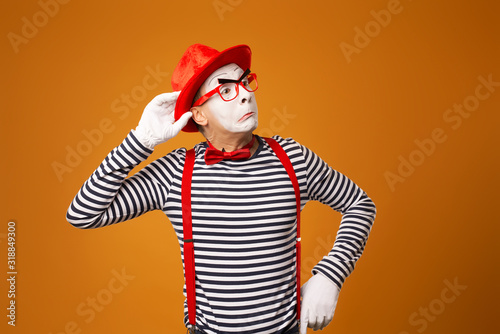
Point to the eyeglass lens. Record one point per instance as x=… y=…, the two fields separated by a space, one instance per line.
x=229 y=91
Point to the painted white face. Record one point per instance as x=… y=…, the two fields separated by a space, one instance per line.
x=238 y=115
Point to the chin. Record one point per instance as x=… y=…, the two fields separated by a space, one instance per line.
x=251 y=127
x=248 y=126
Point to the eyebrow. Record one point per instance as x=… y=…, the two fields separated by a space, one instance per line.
x=235 y=69
x=215 y=77
x=244 y=74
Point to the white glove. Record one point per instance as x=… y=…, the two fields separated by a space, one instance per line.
x=157 y=124
x=319 y=299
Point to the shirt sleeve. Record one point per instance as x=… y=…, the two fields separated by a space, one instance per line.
x=109 y=197
x=328 y=186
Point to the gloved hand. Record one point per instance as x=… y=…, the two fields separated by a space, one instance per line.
x=319 y=299
x=157 y=124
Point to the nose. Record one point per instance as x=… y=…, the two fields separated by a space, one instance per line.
x=245 y=96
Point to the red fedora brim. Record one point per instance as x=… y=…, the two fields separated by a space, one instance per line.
x=240 y=55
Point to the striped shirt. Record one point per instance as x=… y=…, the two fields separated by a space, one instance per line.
x=244 y=225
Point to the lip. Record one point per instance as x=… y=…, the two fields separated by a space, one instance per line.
x=246 y=116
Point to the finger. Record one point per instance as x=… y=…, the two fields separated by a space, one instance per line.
x=182 y=121
x=304 y=321
x=313 y=322
x=318 y=324
x=165 y=98
x=328 y=319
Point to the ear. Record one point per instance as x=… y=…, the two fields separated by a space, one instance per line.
x=199 y=116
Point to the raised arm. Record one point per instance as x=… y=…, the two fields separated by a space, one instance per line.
x=108 y=196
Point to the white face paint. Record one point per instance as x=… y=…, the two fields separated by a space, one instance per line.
x=238 y=115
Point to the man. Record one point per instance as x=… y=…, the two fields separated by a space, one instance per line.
x=240 y=203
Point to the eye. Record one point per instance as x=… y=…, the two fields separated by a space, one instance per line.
x=226 y=89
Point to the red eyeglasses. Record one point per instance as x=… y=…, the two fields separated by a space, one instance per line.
x=228 y=89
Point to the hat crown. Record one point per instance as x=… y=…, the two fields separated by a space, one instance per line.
x=191 y=64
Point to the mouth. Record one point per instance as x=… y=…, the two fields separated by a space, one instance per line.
x=246 y=116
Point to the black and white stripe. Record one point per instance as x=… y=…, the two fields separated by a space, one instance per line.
x=243 y=225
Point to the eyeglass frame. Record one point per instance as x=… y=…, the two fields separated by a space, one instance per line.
x=211 y=93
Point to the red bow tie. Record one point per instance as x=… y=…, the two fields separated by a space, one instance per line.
x=213 y=155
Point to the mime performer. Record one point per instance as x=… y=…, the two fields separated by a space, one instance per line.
x=234 y=201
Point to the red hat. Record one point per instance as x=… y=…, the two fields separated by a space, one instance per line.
x=196 y=65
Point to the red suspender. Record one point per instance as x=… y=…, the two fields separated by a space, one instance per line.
x=187 y=224
x=285 y=161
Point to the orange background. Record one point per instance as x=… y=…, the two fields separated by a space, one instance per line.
x=362 y=114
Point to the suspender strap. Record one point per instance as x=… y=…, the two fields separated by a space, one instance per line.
x=285 y=161
x=187 y=225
